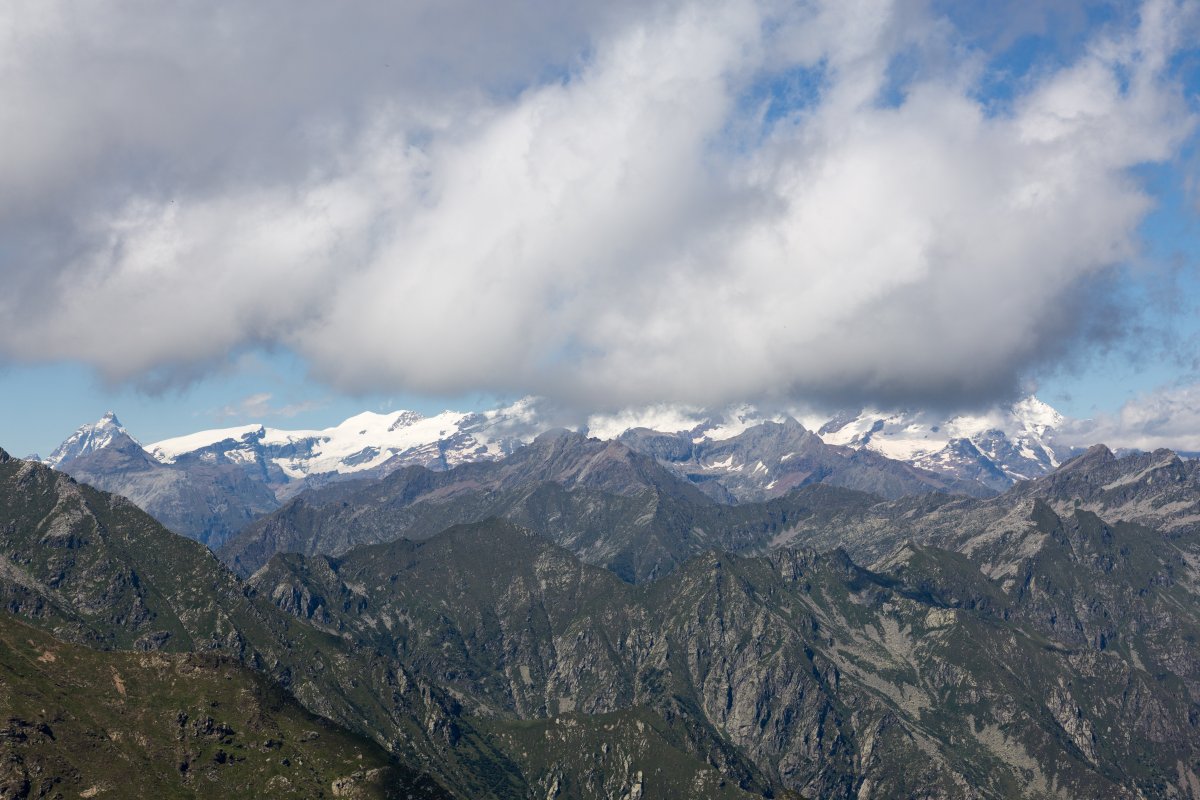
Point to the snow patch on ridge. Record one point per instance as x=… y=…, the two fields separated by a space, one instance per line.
x=1017 y=441
x=168 y=450
x=365 y=442
x=665 y=418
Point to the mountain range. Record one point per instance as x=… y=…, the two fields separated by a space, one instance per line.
x=211 y=484
x=998 y=447
x=199 y=495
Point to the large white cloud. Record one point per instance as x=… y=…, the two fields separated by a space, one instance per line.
x=601 y=216
x=1167 y=417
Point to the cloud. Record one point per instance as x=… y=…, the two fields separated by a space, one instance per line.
x=606 y=216
x=1167 y=417
x=259 y=406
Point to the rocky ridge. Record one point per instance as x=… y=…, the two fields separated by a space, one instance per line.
x=204 y=498
x=611 y=505
x=771 y=458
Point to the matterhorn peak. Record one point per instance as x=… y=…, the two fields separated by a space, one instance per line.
x=88 y=439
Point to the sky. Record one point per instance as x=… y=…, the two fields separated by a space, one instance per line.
x=288 y=212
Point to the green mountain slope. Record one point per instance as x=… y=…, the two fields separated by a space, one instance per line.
x=82 y=723
x=92 y=568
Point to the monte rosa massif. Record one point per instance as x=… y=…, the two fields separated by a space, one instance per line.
x=210 y=484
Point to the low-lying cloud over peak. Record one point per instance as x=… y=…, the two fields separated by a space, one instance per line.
x=1168 y=417
x=675 y=202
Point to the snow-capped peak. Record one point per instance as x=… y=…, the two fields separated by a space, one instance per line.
x=168 y=450
x=369 y=441
x=88 y=439
x=1016 y=441
x=997 y=446
x=1036 y=416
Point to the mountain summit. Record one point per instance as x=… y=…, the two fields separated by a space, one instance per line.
x=998 y=447
x=88 y=439
x=365 y=443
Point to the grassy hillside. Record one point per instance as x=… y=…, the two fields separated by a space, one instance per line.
x=76 y=722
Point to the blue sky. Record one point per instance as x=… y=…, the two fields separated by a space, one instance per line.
x=215 y=220
x=1162 y=285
